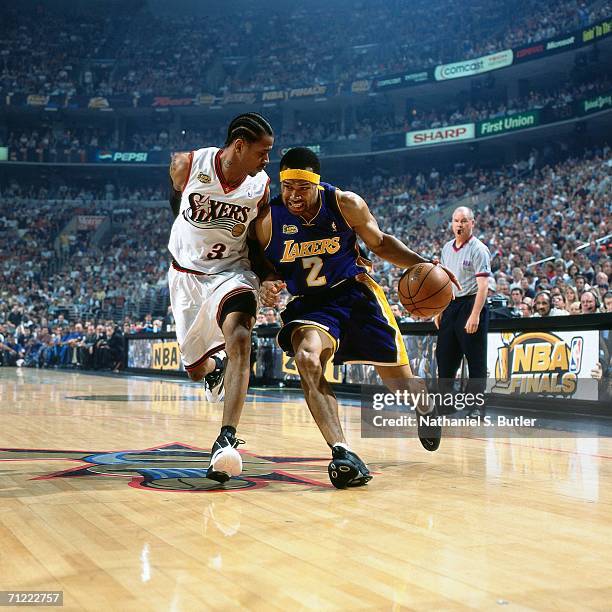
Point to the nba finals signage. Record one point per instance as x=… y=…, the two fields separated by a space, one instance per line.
x=166 y=356
x=543 y=363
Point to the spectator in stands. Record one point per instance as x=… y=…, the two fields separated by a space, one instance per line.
x=607 y=300
x=543 y=306
x=575 y=308
x=525 y=309
x=589 y=302
x=559 y=303
x=571 y=295
x=516 y=297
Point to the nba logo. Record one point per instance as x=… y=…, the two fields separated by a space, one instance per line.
x=576 y=355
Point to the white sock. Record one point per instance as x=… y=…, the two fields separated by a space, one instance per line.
x=343 y=445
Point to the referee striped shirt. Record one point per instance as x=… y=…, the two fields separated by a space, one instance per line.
x=471 y=260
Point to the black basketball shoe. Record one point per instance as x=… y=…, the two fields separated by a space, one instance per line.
x=430 y=433
x=346 y=469
x=225 y=460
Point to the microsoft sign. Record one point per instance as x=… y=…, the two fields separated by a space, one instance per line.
x=519 y=121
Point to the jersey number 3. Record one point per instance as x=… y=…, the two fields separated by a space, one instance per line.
x=315 y=264
x=216 y=251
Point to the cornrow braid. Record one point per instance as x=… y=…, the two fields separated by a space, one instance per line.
x=249 y=126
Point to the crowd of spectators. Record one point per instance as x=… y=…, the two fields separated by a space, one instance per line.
x=78 y=145
x=548 y=232
x=544 y=226
x=46 y=50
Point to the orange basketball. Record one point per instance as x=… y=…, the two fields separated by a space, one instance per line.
x=425 y=290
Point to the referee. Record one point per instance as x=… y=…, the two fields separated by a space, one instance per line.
x=463 y=326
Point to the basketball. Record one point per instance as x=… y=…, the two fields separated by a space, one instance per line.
x=425 y=290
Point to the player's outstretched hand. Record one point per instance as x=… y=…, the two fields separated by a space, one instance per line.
x=437 y=320
x=453 y=278
x=269 y=292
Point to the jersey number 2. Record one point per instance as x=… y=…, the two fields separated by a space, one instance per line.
x=313 y=279
x=217 y=251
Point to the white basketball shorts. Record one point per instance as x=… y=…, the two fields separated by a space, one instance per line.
x=197 y=301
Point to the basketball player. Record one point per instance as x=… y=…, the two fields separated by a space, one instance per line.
x=216 y=195
x=310 y=237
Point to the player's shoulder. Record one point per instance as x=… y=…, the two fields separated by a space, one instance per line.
x=254 y=187
x=204 y=152
x=348 y=200
x=257 y=184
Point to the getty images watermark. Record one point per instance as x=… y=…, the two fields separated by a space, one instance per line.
x=473 y=412
x=459 y=401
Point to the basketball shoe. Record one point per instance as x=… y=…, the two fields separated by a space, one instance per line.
x=214 y=382
x=429 y=433
x=346 y=469
x=225 y=460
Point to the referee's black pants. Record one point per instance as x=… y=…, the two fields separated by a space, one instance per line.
x=454 y=342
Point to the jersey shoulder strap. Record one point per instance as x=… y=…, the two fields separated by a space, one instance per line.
x=330 y=193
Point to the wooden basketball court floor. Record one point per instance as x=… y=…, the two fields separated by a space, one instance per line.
x=102 y=496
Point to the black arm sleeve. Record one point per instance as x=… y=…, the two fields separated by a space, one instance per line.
x=175 y=200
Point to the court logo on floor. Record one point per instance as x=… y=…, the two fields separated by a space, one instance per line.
x=178 y=467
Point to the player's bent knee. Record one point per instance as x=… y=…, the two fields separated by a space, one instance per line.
x=308 y=362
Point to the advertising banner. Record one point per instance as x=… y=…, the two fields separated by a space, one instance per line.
x=36 y=100
x=166 y=356
x=509 y=123
x=166 y=101
x=154 y=354
x=138 y=157
x=529 y=363
x=89 y=222
x=361 y=86
x=478 y=65
x=416 y=77
x=597 y=32
x=239 y=98
x=305 y=92
x=99 y=103
x=546 y=363
x=388 y=82
x=451 y=133
x=273 y=96
x=595 y=104
x=561 y=44
x=533 y=51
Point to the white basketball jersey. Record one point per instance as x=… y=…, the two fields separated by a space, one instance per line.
x=209 y=233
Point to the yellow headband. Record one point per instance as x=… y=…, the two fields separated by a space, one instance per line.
x=300 y=175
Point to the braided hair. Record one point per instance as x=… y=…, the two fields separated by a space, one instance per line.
x=249 y=126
